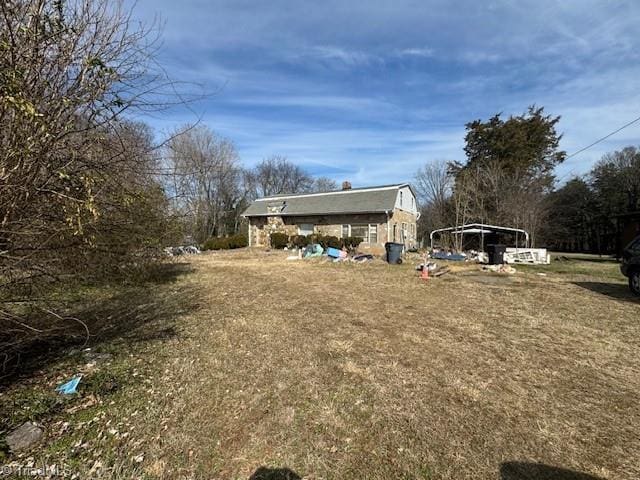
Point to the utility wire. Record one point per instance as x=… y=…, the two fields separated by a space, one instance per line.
x=572 y=171
x=603 y=138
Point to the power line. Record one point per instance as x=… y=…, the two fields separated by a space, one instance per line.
x=572 y=171
x=603 y=138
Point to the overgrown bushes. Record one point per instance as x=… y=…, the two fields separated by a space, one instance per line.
x=351 y=243
x=300 y=241
x=279 y=240
x=226 y=243
x=326 y=241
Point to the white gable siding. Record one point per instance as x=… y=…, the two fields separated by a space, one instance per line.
x=406 y=201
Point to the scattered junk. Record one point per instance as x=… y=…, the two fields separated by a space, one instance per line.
x=182 y=250
x=486 y=245
x=431 y=269
x=431 y=266
x=331 y=253
x=362 y=257
x=441 y=271
x=313 y=250
x=455 y=257
x=70 y=387
x=394 y=252
x=533 y=256
x=502 y=268
x=424 y=272
x=24 y=436
x=336 y=254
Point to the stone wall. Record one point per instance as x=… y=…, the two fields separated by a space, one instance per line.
x=398 y=217
x=261 y=227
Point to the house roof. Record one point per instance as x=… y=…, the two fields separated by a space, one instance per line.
x=355 y=200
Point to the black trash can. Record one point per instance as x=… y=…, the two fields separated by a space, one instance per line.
x=495 y=253
x=394 y=252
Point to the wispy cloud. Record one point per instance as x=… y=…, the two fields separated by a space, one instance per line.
x=343 y=55
x=372 y=91
x=417 y=52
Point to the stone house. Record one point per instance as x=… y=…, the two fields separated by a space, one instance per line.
x=377 y=214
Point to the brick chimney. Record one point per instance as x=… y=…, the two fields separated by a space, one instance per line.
x=346 y=185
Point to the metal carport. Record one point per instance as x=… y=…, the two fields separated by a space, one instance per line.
x=482 y=229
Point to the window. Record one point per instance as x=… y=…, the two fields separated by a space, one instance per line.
x=346 y=231
x=368 y=232
x=373 y=233
x=395 y=232
x=305 y=228
x=401 y=199
x=361 y=231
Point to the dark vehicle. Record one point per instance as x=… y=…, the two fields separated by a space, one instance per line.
x=630 y=266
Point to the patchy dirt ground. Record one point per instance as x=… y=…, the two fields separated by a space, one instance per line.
x=339 y=371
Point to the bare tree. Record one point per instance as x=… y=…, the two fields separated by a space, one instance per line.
x=433 y=184
x=276 y=175
x=207 y=181
x=75 y=190
x=324 y=184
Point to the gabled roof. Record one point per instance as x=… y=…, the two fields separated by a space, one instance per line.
x=356 y=200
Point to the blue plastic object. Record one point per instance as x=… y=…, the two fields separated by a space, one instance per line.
x=333 y=252
x=456 y=257
x=69 y=387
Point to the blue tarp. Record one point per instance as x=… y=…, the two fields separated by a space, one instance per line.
x=456 y=257
x=69 y=387
x=314 y=250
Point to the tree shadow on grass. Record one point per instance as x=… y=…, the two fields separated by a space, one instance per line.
x=593 y=259
x=266 y=473
x=618 y=291
x=539 y=471
x=106 y=316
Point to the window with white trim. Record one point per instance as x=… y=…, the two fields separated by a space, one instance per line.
x=373 y=233
x=361 y=231
x=367 y=231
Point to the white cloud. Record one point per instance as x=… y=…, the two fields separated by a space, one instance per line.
x=343 y=55
x=417 y=52
x=378 y=89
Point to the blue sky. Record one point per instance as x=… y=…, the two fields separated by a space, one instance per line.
x=370 y=91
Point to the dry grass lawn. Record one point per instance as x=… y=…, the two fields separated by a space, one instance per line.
x=344 y=371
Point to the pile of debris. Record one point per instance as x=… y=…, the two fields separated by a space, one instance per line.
x=511 y=255
x=182 y=250
x=448 y=255
x=504 y=268
x=333 y=254
x=431 y=269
